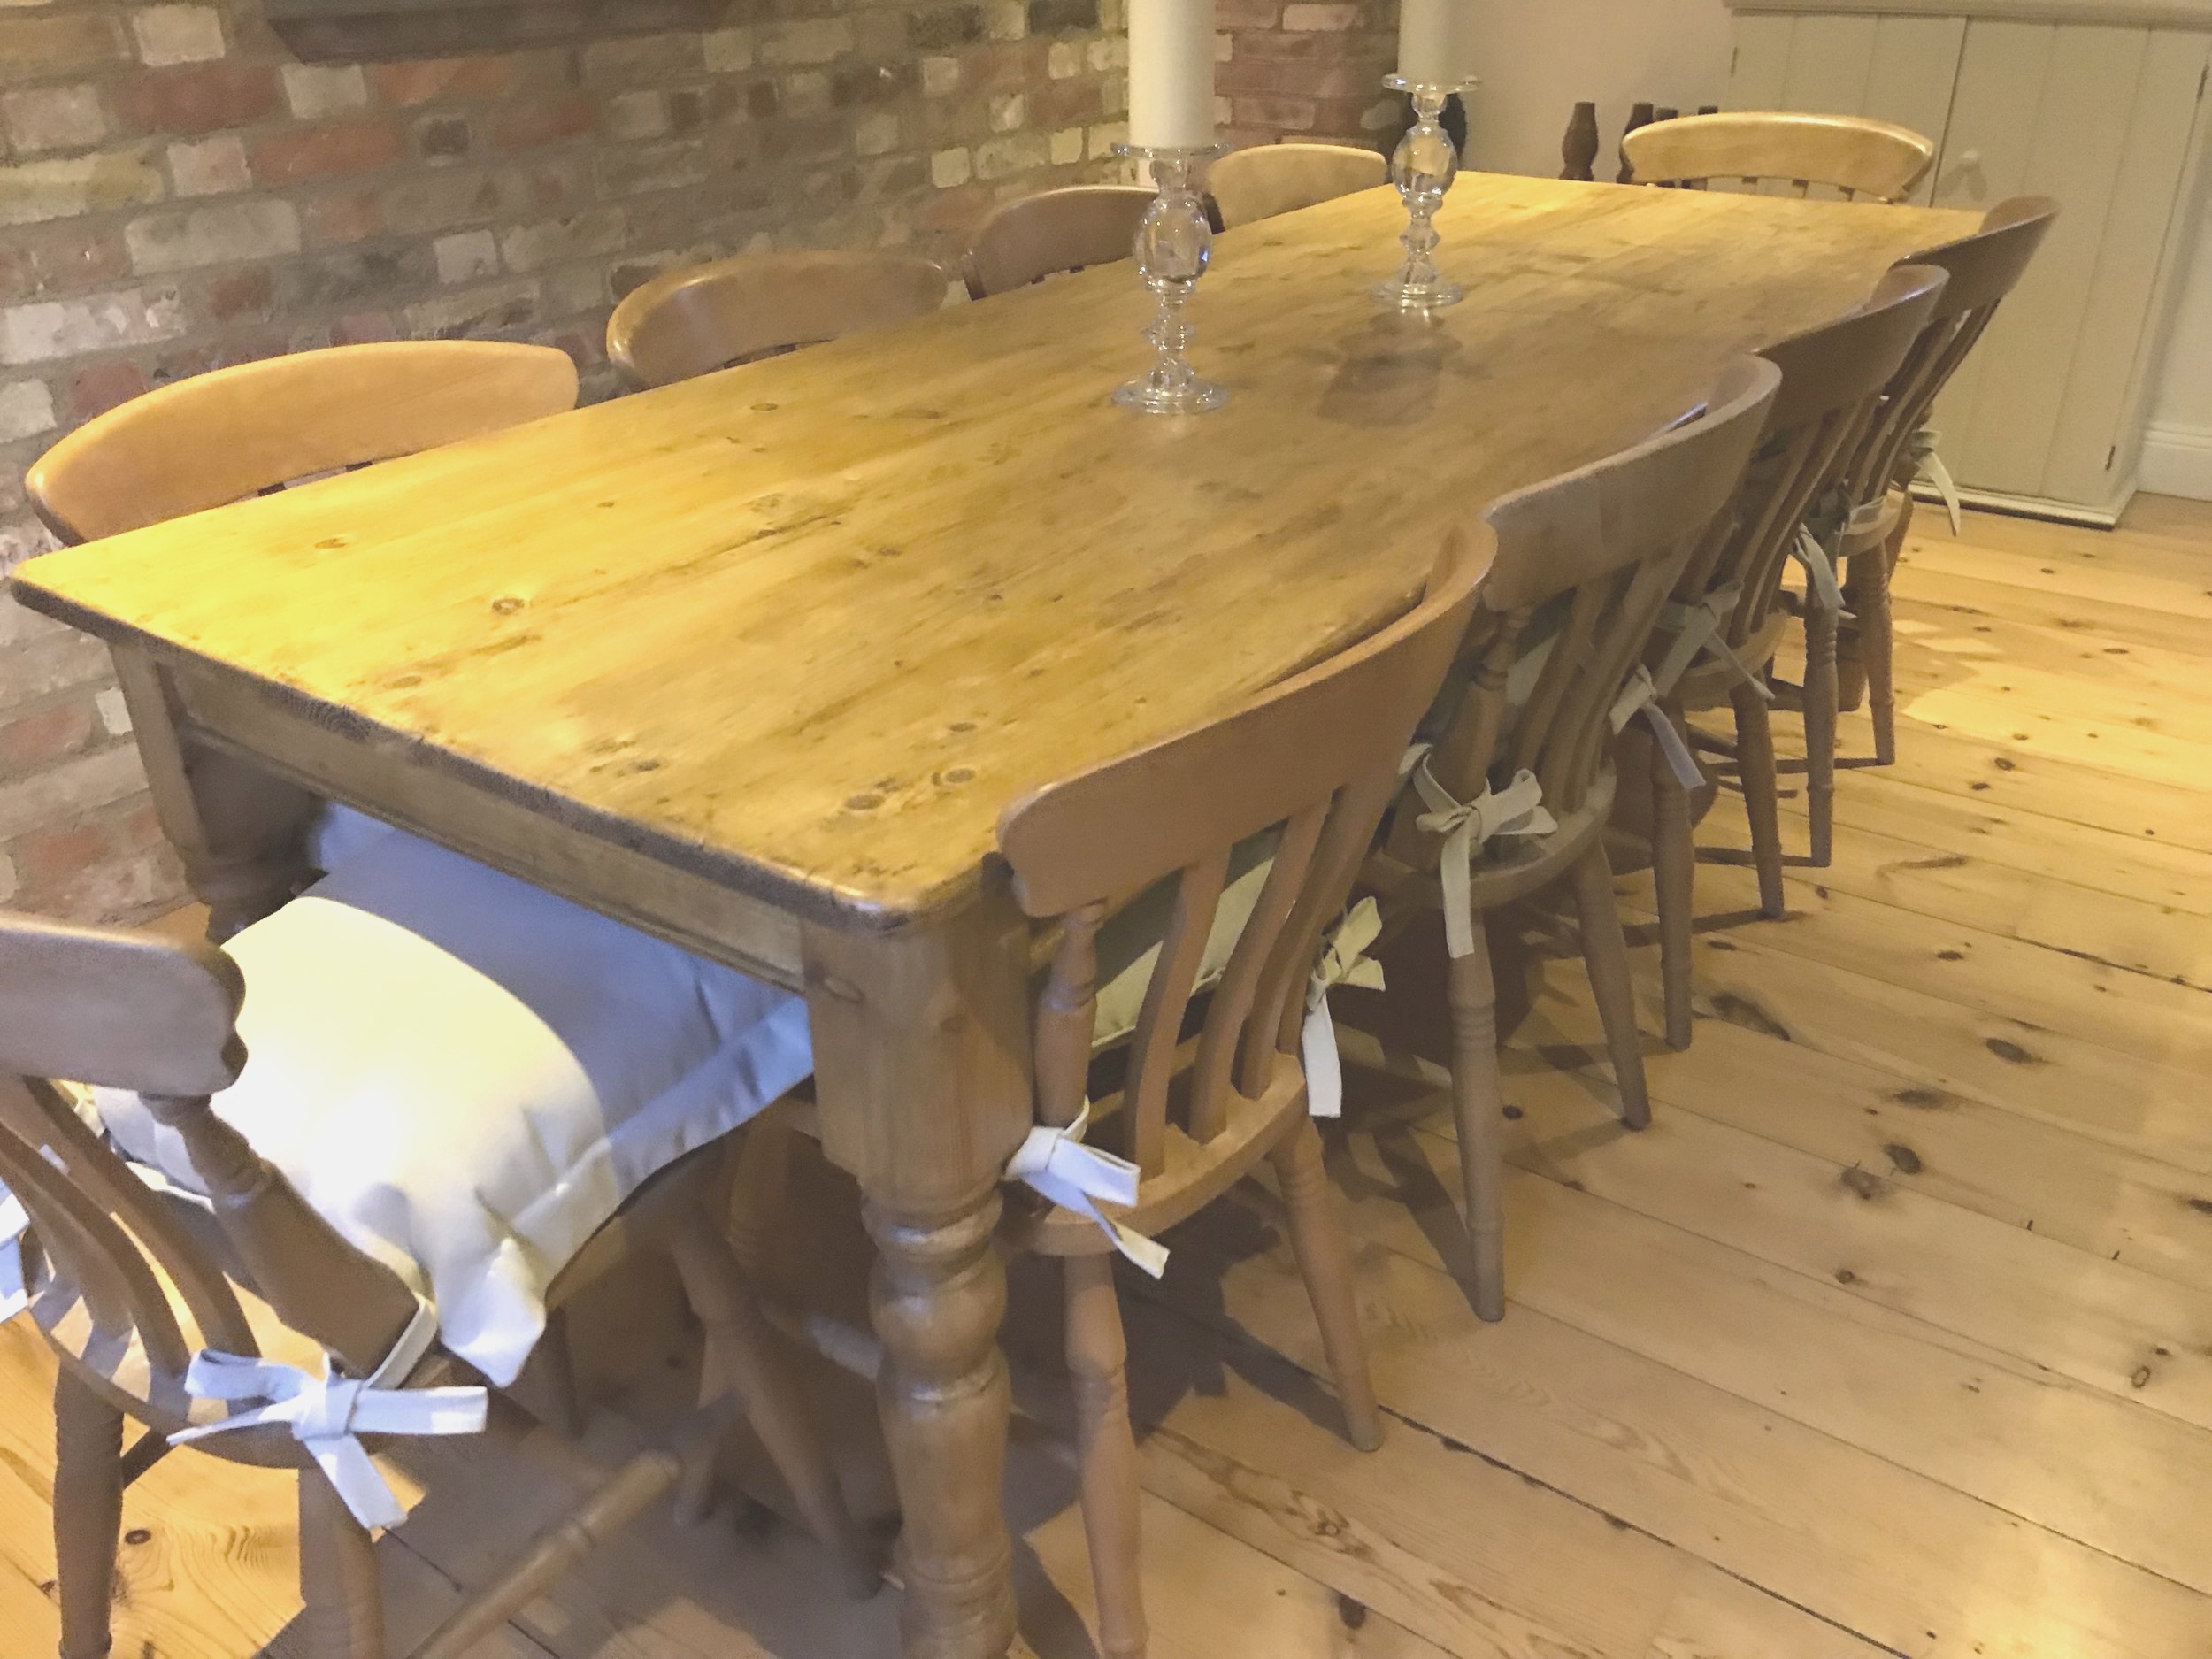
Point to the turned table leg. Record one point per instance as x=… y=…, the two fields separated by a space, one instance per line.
x=921 y=1045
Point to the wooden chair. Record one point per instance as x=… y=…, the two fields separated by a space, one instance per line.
x=1983 y=269
x=1860 y=157
x=1303 y=771
x=710 y=317
x=1514 y=796
x=1718 y=638
x=1265 y=180
x=218 y=437
x=127 y=1295
x=253 y=429
x=1034 y=237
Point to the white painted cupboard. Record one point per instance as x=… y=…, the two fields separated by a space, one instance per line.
x=2097 y=102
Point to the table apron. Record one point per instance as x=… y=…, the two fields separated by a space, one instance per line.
x=391 y=784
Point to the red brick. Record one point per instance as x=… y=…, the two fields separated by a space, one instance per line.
x=362 y=328
x=1248 y=14
x=543 y=122
x=407 y=84
x=198 y=98
x=101 y=387
x=344 y=216
x=236 y=294
x=1073 y=103
x=64 y=258
x=1291 y=115
x=42 y=735
x=317 y=152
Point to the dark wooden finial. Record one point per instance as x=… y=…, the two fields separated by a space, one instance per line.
x=1580 y=150
x=1666 y=112
x=1639 y=115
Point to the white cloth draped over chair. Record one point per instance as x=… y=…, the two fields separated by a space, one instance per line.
x=467 y=1075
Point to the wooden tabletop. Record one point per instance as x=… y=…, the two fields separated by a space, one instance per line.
x=806 y=626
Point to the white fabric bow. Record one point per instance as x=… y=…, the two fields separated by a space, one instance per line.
x=1820 y=569
x=1467 y=828
x=1056 y=1164
x=1641 y=696
x=328 y=1414
x=1342 y=962
x=1928 y=465
x=1697 y=628
x=15 y=1289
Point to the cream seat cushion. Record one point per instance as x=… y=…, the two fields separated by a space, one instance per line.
x=467 y=1076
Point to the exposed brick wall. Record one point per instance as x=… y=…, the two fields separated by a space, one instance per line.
x=177 y=193
x=1302 y=69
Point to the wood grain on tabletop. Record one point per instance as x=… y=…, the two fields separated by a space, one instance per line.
x=806 y=627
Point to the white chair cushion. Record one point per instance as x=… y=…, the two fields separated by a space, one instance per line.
x=467 y=1076
x=1129 y=943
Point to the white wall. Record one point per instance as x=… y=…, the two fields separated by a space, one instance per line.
x=2177 y=449
x=1541 y=57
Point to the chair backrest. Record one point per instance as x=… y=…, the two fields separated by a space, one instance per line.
x=1317 y=756
x=710 y=317
x=218 y=437
x=1606 y=544
x=1982 y=269
x=1860 y=157
x=1032 y=237
x=130 y=1010
x=1833 y=380
x=1265 y=180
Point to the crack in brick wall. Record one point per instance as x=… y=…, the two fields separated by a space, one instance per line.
x=178 y=192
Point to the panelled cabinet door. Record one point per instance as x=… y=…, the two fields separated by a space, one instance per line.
x=2105 y=119
x=1898 y=69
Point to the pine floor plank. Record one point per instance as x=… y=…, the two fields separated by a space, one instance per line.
x=1855 y=1539
x=2167 y=941
x=1865 y=1226
x=2087 y=1465
x=2038 y=989
x=1981 y=1156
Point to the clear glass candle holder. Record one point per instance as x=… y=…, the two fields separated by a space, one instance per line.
x=1423 y=169
x=1174 y=243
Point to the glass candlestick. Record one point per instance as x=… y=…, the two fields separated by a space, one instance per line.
x=1423 y=167
x=1174 y=242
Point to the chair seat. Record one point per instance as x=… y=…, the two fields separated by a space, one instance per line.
x=467 y=1076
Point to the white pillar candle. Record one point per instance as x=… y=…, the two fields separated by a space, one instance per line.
x=1172 y=74
x=1436 y=42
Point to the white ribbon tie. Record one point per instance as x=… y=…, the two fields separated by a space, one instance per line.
x=328 y=1414
x=15 y=1289
x=1928 y=465
x=1343 y=963
x=1467 y=828
x=1640 y=696
x=1055 y=1165
x=1820 y=569
x=1697 y=629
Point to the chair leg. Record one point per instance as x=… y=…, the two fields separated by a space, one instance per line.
x=87 y=1511
x=1478 y=1108
x=1754 y=766
x=1097 y=1361
x=1324 y=1261
x=1605 y=953
x=1820 y=730
x=1877 y=644
x=563 y=1401
x=716 y=1289
x=339 y=1586
x=1673 y=863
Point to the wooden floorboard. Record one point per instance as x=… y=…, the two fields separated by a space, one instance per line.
x=1892 y=1336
